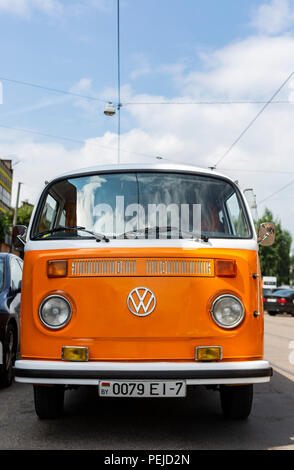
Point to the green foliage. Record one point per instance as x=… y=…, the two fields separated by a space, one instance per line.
x=5 y=225
x=23 y=218
x=24 y=214
x=276 y=260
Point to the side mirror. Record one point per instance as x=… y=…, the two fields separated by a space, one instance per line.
x=17 y=233
x=267 y=234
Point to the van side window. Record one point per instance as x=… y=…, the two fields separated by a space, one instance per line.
x=48 y=216
x=236 y=217
x=16 y=273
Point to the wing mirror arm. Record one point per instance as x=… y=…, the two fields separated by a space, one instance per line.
x=18 y=236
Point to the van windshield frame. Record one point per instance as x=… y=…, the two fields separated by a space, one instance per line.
x=136 y=177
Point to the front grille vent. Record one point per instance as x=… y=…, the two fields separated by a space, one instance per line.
x=194 y=267
x=103 y=267
x=144 y=267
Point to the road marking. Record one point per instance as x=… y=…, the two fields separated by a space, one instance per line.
x=282 y=368
x=278 y=336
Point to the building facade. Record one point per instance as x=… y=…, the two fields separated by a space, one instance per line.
x=6 y=179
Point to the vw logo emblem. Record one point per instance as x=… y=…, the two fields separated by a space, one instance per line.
x=141 y=301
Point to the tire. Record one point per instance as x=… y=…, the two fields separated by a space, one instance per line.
x=272 y=314
x=49 y=401
x=236 y=402
x=9 y=355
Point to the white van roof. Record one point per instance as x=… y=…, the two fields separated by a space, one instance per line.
x=141 y=167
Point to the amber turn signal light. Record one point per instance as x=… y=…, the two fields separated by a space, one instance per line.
x=225 y=268
x=209 y=354
x=57 y=269
x=75 y=354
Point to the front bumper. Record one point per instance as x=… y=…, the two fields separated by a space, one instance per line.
x=90 y=373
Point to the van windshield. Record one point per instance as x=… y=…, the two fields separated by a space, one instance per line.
x=141 y=205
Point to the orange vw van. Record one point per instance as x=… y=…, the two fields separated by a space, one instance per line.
x=142 y=281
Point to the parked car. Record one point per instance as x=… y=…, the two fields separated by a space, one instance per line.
x=10 y=294
x=280 y=301
x=284 y=287
x=268 y=292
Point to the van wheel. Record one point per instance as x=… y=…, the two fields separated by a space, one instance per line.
x=272 y=314
x=236 y=402
x=49 y=401
x=9 y=355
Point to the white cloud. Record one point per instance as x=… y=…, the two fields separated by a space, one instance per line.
x=142 y=66
x=252 y=68
x=103 y=5
x=25 y=7
x=84 y=84
x=274 y=17
x=51 y=7
x=90 y=106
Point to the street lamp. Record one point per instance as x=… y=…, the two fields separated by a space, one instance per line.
x=109 y=109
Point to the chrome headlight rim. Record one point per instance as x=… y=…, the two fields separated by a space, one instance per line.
x=65 y=323
x=238 y=322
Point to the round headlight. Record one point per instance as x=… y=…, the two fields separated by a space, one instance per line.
x=55 y=311
x=227 y=311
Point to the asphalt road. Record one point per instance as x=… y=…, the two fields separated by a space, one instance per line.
x=91 y=423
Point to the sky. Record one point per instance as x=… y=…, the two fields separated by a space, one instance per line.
x=225 y=60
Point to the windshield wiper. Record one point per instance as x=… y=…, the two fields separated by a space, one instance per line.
x=168 y=229
x=99 y=237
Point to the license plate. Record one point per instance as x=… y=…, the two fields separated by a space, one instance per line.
x=272 y=300
x=144 y=389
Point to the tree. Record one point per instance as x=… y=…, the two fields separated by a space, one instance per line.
x=276 y=260
x=24 y=214
x=23 y=218
x=5 y=225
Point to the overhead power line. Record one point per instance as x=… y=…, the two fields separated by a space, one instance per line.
x=76 y=141
x=171 y=103
x=54 y=90
x=277 y=192
x=142 y=103
x=253 y=121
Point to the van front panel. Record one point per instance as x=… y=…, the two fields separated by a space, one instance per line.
x=98 y=286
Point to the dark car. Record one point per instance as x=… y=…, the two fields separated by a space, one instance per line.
x=268 y=292
x=10 y=294
x=279 y=301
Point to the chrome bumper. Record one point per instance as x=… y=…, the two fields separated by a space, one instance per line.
x=90 y=373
